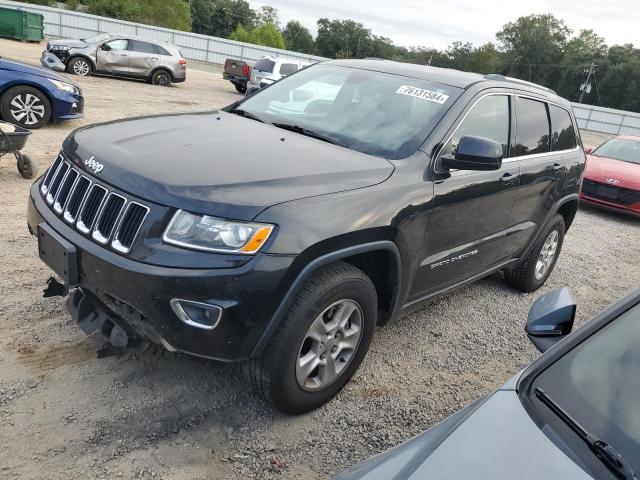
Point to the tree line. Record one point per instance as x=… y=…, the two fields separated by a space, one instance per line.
x=538 y=48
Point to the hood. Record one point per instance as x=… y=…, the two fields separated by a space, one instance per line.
x=69 y=43
x=219 y=163
x=20 y=67
x=497 y=440
x=601 y=169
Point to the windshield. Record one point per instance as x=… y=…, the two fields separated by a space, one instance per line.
x=620 y=149
x=377 y=113
x=97 y=38
x=598 y=384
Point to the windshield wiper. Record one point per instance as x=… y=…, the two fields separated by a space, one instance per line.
x=306 y=132
x=245 y=114
x=605 y=452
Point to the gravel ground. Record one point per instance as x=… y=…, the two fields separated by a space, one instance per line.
x=152 y=414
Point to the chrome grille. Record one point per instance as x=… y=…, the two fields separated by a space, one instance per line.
x=59 y=176
x=63 y=193
x=76 y=198
x=109 y=218
x=91 y=208
x=129 y=227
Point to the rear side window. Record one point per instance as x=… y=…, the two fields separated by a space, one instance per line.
x=489 y=118
x=158 y=50
x=265 y=65
x=288 y=68
x=532 y=134
x=141 y=47
x=563 y=135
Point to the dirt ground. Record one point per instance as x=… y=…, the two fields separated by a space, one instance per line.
x=64 y=414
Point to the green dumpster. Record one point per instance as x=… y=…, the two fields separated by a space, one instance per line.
x=21 y=25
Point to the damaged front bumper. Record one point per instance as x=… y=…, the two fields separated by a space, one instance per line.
x=50 y=60
x=139 y=297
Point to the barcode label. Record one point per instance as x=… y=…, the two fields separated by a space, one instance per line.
x=423 y=94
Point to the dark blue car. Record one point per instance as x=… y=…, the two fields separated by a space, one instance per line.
x=31 y=96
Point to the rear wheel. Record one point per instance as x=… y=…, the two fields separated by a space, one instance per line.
x=80 y=66
x=534 y=270
x=321 y=342
x=161 y=78
x=240 y=88
x=25 y=106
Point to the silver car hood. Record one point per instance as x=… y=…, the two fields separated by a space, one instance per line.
x=497 y=440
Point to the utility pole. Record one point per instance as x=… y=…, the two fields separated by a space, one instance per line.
x=586 y=86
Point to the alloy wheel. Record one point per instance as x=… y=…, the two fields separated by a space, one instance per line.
x=162 y=80
x=329 y=345
x=27 y=109
x=81 y=67
x=547 y=255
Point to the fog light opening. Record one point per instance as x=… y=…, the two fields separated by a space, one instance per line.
x=197 y=314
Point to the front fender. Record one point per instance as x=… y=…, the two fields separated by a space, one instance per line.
x=308 y=271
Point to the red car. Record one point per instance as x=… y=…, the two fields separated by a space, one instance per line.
x=612 y=175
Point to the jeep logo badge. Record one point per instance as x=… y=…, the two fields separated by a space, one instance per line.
x=614 y=181
x=93 y=165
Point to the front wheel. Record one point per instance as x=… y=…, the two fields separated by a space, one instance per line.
x=534 y=270
x=321 y=342
x=80 y=66
x=161 y=78
x=25 y=106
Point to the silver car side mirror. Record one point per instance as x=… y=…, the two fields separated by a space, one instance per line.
x=551 y=318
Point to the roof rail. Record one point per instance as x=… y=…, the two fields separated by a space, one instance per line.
x=502 y=78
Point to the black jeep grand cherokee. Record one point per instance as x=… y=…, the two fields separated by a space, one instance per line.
x=282 y=229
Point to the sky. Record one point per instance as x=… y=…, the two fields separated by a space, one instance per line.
x=439 y=23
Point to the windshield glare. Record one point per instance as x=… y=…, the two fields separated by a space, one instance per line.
x=97 y=38
x=377 y=113
x=598 y=384
x=620 y=149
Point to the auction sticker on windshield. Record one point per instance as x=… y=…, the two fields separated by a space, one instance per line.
x=422 y=93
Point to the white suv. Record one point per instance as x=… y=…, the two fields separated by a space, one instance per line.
x=274 y=69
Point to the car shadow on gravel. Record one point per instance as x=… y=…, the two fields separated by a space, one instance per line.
x=608 y=214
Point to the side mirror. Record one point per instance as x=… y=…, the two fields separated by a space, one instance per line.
x=551 y=318
x=105 y=47
x=588 y=150
x=475 y=153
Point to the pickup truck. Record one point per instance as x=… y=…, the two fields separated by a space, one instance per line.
x=237 y=72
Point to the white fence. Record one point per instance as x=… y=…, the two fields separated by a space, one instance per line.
x=607 y=120
x=59 y=23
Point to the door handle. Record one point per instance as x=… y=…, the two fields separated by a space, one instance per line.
x=154 y=58
x=556 y=166
x=508 y=178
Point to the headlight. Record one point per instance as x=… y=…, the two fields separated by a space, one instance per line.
x=67 y=87
x=202 y=232
x=60 y=48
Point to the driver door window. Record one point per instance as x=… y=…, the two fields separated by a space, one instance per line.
x=488 y=118
x=113 y=56
x=116 y=45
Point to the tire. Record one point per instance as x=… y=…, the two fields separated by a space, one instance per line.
x=26 y=166
x=240 y=88
x=80 y=66
x=161 y=78
x=323 y=301
x=25 y=106
x=528 y=277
